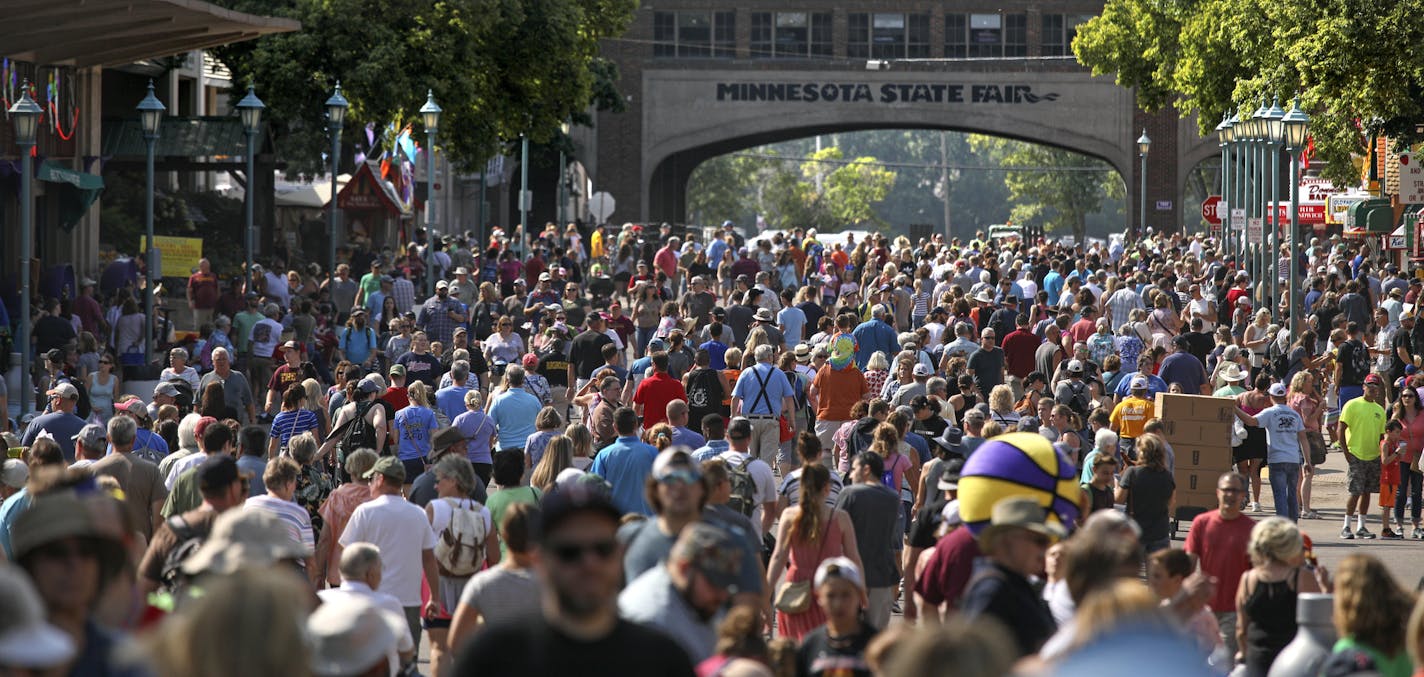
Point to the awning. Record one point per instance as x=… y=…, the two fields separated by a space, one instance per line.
x=84 y=33
x=312 y=196
x=367 y=191
x=185 y=137
x=77 y=191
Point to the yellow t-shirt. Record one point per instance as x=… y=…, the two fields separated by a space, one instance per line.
x=1365 y=421
x=595 y=245
x=1130 y=416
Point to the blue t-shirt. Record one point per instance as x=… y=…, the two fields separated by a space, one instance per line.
x=414 y=427
x=514 y=413
x=478 y=428
x=793 y=323
x=1282 y=425
x=357 y=344
x=749 y=388
x=626 y=464
x=1154 y=385
x=1183 y=368
x=718 y=351
x=62 y=426
x=451 y=401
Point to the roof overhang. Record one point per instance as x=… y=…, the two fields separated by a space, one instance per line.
x=84 y=33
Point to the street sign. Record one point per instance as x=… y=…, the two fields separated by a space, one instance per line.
x=1255 y=230
x=601 y=205
x=1238 y=218
x=1308 y=214
x=1411 y=180
x=526 y=200
x=1212 y=209
x=1164 y=205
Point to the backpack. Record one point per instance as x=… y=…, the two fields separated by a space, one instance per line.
x=1078 y=401
x=171 y=578
x=861 y=436
x=359 y=433
x=743 y=498
x=1278 y=359
x=460 y=548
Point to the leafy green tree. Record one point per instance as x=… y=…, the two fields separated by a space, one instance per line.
x=1058 y=199
x=499 y=69
x=1353 y=63
x=849 y=192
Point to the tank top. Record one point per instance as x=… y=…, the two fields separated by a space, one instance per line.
x=101 y=396
x=1271 y=610
x=969 y=403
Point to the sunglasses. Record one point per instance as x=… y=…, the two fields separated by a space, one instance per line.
x=679 y=476
x=571 y=553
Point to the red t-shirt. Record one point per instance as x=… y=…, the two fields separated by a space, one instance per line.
x=654 y=393
x=284 y=376
x=397 y=398
x=203 y=287
x=1019 y=347
x=1082 y=330
x=949 y=567
x=1220 y=546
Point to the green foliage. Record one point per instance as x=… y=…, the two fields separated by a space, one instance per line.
x=1353 y=63
x=850 y=191
x=1054 y=200
x=498 y=69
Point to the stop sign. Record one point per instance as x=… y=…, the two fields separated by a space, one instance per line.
x=1211 y=209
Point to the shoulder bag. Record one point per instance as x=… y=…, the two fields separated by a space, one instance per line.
x=794 y=597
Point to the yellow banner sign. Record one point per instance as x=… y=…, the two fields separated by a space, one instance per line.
x=180 y=254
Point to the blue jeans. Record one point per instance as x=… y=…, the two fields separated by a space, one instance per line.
x=641 y=337
x=1348 y=393
x=1411 y=484
x=1285 y=489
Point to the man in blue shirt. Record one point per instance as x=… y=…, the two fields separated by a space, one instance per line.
x=715 y=431
x=791 y=320
x=677 y=415
x=1285 y=438
x=1144 y=369
x=626 y=464
x=514 y=411
x=450 y=400
x=1184 y=368
x=60 y=423
x=761 y=394
x=872 y=335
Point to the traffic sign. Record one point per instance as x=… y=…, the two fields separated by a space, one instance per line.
x=601 y=205
x=1212 y=209
x=1255 y=230
x=1238 y=218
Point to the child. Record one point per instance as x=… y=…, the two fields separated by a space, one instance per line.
x=1391 y=449
x=1166 y=569
x=1100 y=489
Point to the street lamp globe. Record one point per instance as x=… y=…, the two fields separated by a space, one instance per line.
x=1232 y=131
x=250 y=108
x=430 y=112
x=1275 y=131
x=1221 y=131
x=336 y=108
x=25 y=114
x=1297 y=126
x=1258 y=122
x=1143 y=143
x=150 y=113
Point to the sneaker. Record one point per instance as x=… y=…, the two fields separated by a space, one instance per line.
x=1364 y=533
x=1390 y=535
x=1310 y=515
x=1418 y=533
x=1346 y=534
x=1256 y=507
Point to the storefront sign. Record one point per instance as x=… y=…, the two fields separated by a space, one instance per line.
x=1337 y=207
x=179 y=254
x=860 y=92
x=1411 y=180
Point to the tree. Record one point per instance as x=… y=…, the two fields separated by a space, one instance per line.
x=499 y=69
x=849 y=192
x=1353 y=63
x=1057 y=198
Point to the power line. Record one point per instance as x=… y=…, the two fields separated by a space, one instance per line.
x=913 y=165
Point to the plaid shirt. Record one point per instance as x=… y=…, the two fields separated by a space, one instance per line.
x=435 y=318
x=404 y=293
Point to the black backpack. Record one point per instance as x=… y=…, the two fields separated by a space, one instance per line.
x=1279 y=360
x=359 y=433
x=188 y=539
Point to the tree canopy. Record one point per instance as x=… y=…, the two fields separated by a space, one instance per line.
x=499 y=68
x=1351 y=61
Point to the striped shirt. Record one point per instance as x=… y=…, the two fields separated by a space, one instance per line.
x=289 y=424
x=1122 y=303
x=294 y=516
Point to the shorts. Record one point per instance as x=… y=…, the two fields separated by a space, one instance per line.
x=414 y=467
x=1386 y=493
x=1364 y=476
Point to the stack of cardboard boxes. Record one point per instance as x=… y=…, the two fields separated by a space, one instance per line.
x=1199 y=429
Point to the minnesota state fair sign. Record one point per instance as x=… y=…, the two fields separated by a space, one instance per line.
x=860 y=92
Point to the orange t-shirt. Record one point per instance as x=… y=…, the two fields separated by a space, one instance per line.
x=837 y=391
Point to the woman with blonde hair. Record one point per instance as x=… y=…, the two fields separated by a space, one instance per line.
x=755 y=338
x=1372 y=617
x=1266 y=594
x=1306 y=400
x=316 y=402
x=877 y=371
x=582 y=440
x=415 y=425
x=558 y=456
x=1001 y=406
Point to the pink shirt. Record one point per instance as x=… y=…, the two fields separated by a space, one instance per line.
x=666 y=261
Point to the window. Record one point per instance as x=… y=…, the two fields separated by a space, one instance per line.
x=790 y=35
x=1059 y=31
x=956 y=36
x=887 y=36
x=694 y=34
x=1015 y=35
x=986 y=35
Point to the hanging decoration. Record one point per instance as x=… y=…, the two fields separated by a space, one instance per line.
x=55 y=93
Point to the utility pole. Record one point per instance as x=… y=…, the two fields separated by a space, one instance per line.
x=944 y=179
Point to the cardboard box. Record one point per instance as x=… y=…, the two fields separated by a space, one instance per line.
x=1200 y=408
x=1207 y=433
x=1202 y=457
x=1195 y=481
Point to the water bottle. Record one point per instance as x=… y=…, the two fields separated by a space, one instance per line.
x=1314 y=637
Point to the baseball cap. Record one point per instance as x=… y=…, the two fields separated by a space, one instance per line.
x=1140 y=383
x=163 y=388
x=923 y=369
x=91 y=435
x=218 y=471
x=366 y=386
x=545 y=277
x=389 y=466
x=1277 y=390
x=1075 y=366
x=14 y=473
x=1373 y=379
x=462 y=271
x=69 y=392
x=292 y=345
x=713 y=552
x=396 y=370
x=657 y=345
x=576 y=498
x=839 y=567
x=673 y=456
x=442 y=284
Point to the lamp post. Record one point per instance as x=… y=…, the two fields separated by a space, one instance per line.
x=430 y=115
x=335 y=115
x=1295 y=125
x=1234 y=133
x=150 y=113
x=1275 y=134
x=1223 y=141
x=1144 y=144
x=524 y=195
x=1258 y=157
x=25 y=115
x=563 y=198
x=250 y=108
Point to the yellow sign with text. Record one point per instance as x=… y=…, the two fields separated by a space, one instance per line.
x=180 y=254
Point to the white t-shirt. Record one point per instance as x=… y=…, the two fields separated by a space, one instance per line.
x=762 y=477
x=402 y=532
x=266 y=334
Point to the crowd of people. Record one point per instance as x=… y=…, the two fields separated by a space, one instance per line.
x=640 y=451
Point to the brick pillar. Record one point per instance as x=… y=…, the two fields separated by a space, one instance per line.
x=1161 y=128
